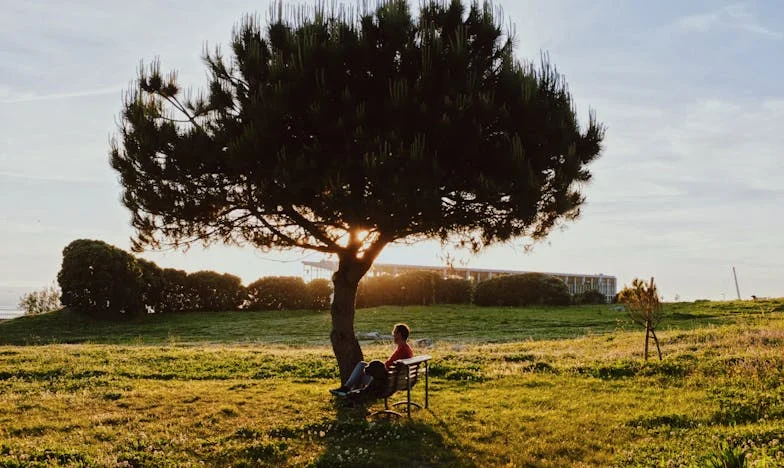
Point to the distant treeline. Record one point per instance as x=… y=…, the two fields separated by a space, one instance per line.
x=106 y=282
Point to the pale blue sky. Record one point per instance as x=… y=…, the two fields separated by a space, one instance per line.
x=689 y=183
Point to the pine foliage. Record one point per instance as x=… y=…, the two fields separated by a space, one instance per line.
x=341 y=130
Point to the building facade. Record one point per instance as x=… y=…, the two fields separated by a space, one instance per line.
x=575 y=282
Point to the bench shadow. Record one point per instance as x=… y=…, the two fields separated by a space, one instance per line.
x=356 y=439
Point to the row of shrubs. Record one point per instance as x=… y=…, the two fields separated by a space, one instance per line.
x=530 y=289
x=413 y=288
x=429 y=287
x=104 y=281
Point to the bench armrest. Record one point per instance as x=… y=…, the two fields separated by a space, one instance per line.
x=414 y=360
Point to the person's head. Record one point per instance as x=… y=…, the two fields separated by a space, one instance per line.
x=400 y=332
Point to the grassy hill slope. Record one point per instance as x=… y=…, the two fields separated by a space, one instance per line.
x=309 y=328
x=575 y=395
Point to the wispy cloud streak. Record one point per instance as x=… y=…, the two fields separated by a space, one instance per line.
x=58 y=96
x=736 y=16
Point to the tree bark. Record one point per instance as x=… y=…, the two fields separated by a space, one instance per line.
x=344 y=340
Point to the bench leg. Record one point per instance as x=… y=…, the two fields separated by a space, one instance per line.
x=407 y=403
x=427 y=373
x=408 y=392
x=385 y=412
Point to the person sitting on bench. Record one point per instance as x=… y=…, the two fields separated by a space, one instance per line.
x=361 y=378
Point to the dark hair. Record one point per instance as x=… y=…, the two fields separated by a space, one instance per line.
x=403 y=329
x=376 y=369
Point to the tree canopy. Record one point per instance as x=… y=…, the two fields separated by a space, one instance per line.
x=341 y=130
x=326 y=123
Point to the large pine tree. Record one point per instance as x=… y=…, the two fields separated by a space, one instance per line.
x=343 y=131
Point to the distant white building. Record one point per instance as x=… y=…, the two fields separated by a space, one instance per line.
x=575 y=282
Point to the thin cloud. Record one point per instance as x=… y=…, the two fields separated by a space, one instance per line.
x=57 y=96
x=52 y=178
x=728 y=17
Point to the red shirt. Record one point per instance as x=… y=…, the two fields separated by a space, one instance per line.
x=403 y=351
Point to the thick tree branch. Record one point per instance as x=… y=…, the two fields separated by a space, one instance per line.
x=291 y=242
x=311 y=228
x=371 y=253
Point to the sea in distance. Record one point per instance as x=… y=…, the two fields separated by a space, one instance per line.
x=9 y=313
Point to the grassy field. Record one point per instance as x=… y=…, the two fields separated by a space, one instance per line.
x=509 y=387
x=460 y=324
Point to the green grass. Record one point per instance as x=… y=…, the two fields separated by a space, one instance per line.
x=570 y=389
x=311 y=328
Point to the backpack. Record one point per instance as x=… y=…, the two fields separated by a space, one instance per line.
x=375 y=389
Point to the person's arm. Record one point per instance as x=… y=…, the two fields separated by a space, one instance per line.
x=394 y=357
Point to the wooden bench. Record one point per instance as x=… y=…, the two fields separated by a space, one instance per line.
x=402 y=375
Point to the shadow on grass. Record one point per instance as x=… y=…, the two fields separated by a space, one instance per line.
x=355 y=439
x=350 y=439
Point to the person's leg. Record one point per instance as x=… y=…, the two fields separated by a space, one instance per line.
x=357 y=376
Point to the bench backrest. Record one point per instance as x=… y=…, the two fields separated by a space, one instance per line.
x=396 y=375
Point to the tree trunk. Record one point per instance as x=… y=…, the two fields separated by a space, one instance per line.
x=647 y=333
x=344 y=340
x=656 y=340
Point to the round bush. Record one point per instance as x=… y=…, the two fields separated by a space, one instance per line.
x=592 y=296
x=213 y=292
x=418 y=287
x=177 y=294
x=379 y=290
x=522 y=290
x=152 y=290
x=320 y=294
x=101 y=280
x=453 y=291
x=277 y=293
